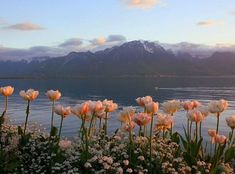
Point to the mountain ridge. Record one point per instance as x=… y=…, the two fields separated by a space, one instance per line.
x=135 y=58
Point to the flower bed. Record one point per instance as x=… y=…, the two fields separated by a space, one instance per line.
x=155 y=148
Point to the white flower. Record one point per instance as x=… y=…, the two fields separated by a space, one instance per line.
x=65 y=144
x=87 y=165
x=119 y=170
x=129 y=170
x=141 y=158
x=126 y=162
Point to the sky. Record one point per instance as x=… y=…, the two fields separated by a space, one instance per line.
x=51 y=27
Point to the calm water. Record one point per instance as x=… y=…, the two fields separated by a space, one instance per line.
x=123 y=91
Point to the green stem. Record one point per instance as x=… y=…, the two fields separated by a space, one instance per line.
x=92 y=118
x=82 y=127
x=140 y=130
x=27 y=115
x=188 y=122
x=171 y=126
x=217 y=126
x=52 y=115
x=190 y=130
x=106 y=123
x=144 y=131
x=150 y=140
x=100 y=124
x=61 y=124
x=196 y=131
x=200 y=129
x=6 y=104
x=163 y=134
x=231 y=138
x=130 y=146
x=86 y=144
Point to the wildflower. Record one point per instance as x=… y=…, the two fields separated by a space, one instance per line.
x=141 y=158
x=126 y=162
x=129 y=170
x=53 y=95
x=119 y=170
x=65 y=144
x=170 y=107
x=87 y=165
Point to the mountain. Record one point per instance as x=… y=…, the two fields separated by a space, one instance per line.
x=135 y=58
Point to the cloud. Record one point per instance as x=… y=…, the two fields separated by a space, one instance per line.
x=99 y=41
x=142 y=4
x=108 y=40
x=28 y=26
x=61 y=49
x=115 y=38
x=209 y=23
x=73 y=42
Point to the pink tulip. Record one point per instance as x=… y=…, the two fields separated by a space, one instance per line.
x=195 y=116
x=141 y=119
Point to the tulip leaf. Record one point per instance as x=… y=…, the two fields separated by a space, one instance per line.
x=229 y=154
x=20 y=131
x=189 y=159
x=54 y=131
x=175 y=137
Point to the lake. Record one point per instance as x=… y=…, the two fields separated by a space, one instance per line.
x=123 y=91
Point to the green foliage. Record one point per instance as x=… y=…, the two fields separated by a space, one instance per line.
x=229 y=154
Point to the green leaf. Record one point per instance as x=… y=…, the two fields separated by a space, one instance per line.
x=54 y=131
x=229 y=154
x=175 y=137
x=2 y=119
x=191 y=160
x=184 y=142
x=20 y=131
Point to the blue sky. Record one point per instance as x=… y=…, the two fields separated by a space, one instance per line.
x=29 y=23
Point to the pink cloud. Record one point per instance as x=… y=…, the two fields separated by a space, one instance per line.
x=142 y=4
x=209 y=23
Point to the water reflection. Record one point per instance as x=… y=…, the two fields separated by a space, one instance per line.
x=123 y=91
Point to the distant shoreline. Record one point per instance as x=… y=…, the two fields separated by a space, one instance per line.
x=115 y=77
